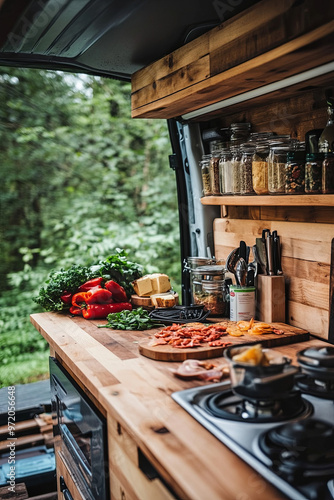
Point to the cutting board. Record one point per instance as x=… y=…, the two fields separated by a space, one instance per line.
x=169 y=353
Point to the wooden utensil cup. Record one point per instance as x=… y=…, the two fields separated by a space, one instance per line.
x=270 y=299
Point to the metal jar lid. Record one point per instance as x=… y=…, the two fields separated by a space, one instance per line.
x=210 y=270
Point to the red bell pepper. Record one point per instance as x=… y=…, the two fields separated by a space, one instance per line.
x=66 y=297
x=101 y=311
x=91 y=284
x=94 y=296
x=76 y=311
x=118 y=292
x=80 y=299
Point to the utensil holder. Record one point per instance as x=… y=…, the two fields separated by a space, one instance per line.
x=270 y=306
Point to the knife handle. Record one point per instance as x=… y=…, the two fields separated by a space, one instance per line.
x=269 y=246
x=277 y=243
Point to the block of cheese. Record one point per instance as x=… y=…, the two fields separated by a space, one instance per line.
x=151 y=284
x=165 y=299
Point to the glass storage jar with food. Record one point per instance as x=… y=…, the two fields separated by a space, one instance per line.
x=313 y=173
x=214 y=173
x=295 y=170
x=225 y=171
x=260 y=168
x=205 y=173
x=235 y=169
x=203 y=269
x=246 y=182
x=213 y=297
x=328 y=174
x=276 y=168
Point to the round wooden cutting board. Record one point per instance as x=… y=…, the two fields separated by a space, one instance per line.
x=169 y=353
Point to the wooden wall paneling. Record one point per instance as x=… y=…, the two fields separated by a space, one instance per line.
x=305 y=262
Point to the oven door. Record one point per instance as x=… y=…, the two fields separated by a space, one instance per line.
x=82 y=430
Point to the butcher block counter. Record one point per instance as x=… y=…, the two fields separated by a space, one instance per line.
x=134 y=392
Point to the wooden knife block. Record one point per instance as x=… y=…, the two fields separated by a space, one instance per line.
x=270 y=299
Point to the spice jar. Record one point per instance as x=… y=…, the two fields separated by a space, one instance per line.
x=313 y=173
x=225 y=171
x=214 y=173
x=260 y=168
x=246 y=183
x=235 y=168
x=276 y=169
x=239 y=132
x=295 y=172
x=328 y=174
x=205 y=172
x=213 y=297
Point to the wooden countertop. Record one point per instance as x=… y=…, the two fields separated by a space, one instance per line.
x=137 y=392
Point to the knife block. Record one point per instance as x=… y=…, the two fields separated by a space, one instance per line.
x=270 y=299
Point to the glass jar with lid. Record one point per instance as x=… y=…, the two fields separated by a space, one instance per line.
x=246 y=185
x=214 y=172
x=276 y=168
x=313 y=173
x=295 y=170
x=260 y=168
x=225 y=171
x=235 y=170
x=205 y=173
x=239 y=132
x=213 y=297
x=328 y=174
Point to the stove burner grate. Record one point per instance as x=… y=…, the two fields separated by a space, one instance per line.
x=228 y=405
x=321 y=388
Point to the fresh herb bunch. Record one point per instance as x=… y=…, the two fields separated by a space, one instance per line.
x=137 y=319
x=116 y=267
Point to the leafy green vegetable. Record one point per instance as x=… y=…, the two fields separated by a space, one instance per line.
x=137 y=319
x=116 y=267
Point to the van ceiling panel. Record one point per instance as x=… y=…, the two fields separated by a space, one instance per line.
x=104 y=37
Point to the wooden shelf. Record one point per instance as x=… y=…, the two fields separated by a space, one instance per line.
x=321 y=200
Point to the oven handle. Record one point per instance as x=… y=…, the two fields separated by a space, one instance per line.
x=77 y=454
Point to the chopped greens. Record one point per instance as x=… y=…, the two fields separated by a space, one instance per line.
x=137 y=319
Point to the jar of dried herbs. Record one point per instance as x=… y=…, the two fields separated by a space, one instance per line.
x=276 y=169
x=295 y=172
x=225 y=171
x=235 y=164
x=246 y=183
x=213 y=297
x=313 y=173
x=260 y=168
x=205 y=172
x=328 y=174
x=214 y=173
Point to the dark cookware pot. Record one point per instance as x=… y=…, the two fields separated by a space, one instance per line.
x=257 y=381
x=318 y=362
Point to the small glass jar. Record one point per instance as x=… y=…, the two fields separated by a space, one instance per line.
x=205 y=172
x=328 y=174
x=225 y=172
x=313 y=173
x=235 y=169
x=214 y=173
x=239 y=132
x=213 y=296
x=260 y=168
x=295 y=172
x=246 y=183
x=276 y=169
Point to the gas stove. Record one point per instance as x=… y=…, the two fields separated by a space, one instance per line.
x=288 y=439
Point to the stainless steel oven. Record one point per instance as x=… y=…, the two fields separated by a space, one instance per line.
x=82 y=430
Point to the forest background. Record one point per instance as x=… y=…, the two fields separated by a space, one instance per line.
x=80 y=179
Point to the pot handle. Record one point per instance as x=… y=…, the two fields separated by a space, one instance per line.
x=267 y=380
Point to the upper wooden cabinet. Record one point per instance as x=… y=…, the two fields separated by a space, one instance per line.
x=267 y=43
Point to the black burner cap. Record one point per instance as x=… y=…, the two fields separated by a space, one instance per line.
x=309 y=434
x=317 y=357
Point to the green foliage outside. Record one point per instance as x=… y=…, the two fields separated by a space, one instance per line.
x=80 y=179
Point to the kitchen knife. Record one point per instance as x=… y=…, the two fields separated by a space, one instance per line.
x=270 y=260
x=277 y=254
x=265 y=233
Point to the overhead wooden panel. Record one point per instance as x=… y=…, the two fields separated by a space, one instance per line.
x=270 y=41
